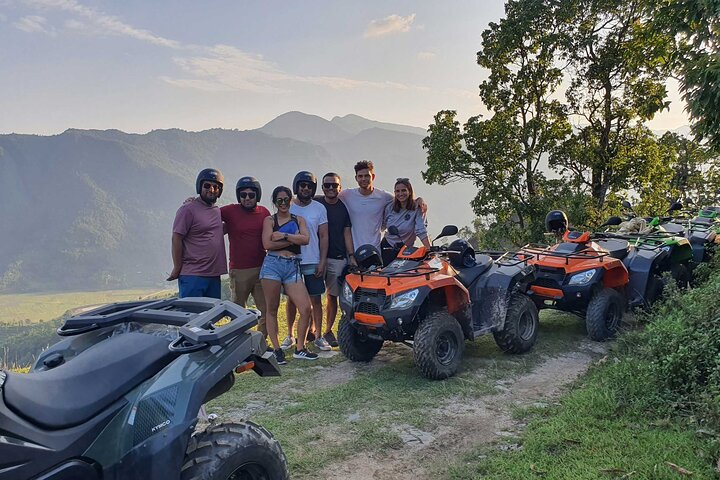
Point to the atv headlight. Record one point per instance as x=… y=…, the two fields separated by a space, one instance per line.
x=404 y=300
x=347 y=293
x=582 y=278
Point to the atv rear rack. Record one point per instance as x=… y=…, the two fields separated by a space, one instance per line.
x=507 y=258
x=538 y=249
x=198 y=319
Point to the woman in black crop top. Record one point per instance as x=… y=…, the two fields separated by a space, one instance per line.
x=282 y=236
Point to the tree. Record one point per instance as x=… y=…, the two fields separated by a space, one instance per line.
x=696 y=169
x=617 y=65
x=503 y=154
x=695 y=26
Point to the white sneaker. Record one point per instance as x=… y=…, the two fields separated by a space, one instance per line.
x=322 y=344
x=288 y=342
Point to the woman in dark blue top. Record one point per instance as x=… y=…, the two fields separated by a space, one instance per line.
x=283 y=234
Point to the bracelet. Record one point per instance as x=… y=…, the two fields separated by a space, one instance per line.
x=350 y=254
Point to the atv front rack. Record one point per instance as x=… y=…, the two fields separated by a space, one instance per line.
x=420 y=271
x=202 y=321
x=538 y=249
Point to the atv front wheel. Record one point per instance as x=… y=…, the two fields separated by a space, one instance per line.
x=438 y=345
x=234 y=451
x=356 y=347
x=604 y=314
x=521 y=326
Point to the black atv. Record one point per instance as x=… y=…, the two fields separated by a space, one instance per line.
x=119 y=397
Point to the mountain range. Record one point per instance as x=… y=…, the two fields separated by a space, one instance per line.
x=92 y=209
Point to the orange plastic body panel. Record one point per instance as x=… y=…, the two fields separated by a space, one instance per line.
x=616 y=275
x=547 y=292
x=456 y=295
x=584 y=238
x=368 y=319
x=418 y=254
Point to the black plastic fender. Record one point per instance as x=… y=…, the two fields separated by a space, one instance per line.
x=642 y=264
x=490 y=294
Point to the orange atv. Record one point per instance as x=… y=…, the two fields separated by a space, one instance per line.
x=577 y=275
x=432 y=299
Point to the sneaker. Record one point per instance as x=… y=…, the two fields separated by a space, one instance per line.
x=310 y=337
x=287 y=343
x=269 y=349
x=322 y=344
x=330 y=339
x=280 y=357
x=305 y=354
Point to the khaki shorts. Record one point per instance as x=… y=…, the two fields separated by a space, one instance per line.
x=243 y=282
x=333 y=270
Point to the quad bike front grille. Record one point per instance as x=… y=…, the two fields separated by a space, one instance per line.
x=368 y=300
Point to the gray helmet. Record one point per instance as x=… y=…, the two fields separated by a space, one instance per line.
x=248 y=182
x=305 y=176
x=209 y=175
x=556 y=222
x=368 y=256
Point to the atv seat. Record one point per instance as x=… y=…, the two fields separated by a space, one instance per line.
x=674 y=228
x=73 y=392
x=617 y=248
x=469 y=275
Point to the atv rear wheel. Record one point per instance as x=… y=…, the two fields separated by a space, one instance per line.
x=356 y=347
x=438 y=345
x=521 y=326
x=681 y=274
x=604 y=314
x=234 y=451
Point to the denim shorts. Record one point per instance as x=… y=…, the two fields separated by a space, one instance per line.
x=280 y=269
x=196 y=286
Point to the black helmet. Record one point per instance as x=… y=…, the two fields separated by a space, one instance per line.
x=367 y=256
x=211 y=175
x=305 y=176
x=461 y=254
x=556 y=222
x=248 y=182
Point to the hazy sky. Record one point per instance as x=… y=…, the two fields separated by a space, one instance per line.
x=139 y=65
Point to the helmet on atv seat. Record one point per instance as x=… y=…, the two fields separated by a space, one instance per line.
x=248 y=182
x=305 y=176
x=461 y=254
x=367 y=256
x=556 y=222
x=209 y=175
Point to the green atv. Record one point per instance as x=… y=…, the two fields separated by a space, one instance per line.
x=661 y=233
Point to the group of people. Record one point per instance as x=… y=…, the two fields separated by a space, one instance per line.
x=300 y=250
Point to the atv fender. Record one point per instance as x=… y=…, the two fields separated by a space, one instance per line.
x=490 y=295
x=641 y=265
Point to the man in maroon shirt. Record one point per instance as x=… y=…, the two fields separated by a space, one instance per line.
x=198 y=245
x=243 y=225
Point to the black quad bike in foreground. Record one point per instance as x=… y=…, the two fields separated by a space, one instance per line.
x=119 y=397
x=433 y=300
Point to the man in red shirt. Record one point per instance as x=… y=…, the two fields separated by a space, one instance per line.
x=243 y=225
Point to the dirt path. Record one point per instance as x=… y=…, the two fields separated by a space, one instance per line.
x=459 y=426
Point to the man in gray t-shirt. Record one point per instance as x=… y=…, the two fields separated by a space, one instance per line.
x=366 y=206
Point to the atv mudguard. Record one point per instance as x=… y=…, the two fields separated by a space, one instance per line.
x=700 y=240
x=490 y=295
x=641 y=264
x=682 y=252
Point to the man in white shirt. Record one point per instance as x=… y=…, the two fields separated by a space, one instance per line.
x=314 y=257
x=366 y=206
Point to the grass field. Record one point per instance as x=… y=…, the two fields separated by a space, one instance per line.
x=29 y=308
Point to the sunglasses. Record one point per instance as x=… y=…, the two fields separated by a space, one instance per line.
x=402 y=179
x=305 y=185
x=250 y=195
x=211 y=186
x=282 y=201
x=331 y=185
